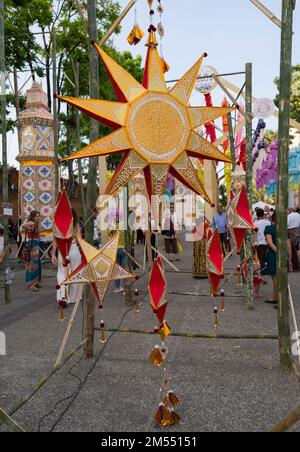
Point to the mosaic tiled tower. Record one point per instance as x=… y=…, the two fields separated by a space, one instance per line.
x=36 y=158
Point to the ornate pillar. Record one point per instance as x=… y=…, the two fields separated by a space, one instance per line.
x=36 y=157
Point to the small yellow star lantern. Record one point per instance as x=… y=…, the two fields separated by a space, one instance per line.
x=155 y=128
x=98 y=268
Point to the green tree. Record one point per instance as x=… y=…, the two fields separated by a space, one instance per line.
x=295 y=93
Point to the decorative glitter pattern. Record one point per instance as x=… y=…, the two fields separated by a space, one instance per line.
x=201 y=148
x=202 y=115
x=158 y=127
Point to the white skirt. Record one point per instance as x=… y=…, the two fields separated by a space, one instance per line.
x=71 y=292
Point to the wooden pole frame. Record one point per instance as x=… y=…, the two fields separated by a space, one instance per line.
x=7 y=292
x=283 y=182
x=249 y=243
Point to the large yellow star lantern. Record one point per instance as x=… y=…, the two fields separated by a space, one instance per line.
x=98 y=267
x=155 y=127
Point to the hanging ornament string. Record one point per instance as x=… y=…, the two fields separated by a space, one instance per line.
x=161 y=32
x=136 y=34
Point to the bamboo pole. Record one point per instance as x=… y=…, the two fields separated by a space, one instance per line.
x=165 y=259
x=267 y=12
x=235 y=89
x=3 y=255
x=55 y=116
x=231 y=141
x=285 y=424
x=283 y=182
x=294 y=320
x=5 y=196
x=68 y=330
x=91 y=196
x=80 y=176
x=249 y=244
x=136 y=263
x=234 y=101
x=12 y=425
x=117 y=22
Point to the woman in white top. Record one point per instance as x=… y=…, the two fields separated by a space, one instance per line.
x=70 y=294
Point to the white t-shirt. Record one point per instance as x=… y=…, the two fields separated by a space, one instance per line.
x=294 y=220
x=261 y=226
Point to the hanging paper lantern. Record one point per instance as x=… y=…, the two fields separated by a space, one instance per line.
x=239 y=217
x=206 y=83
x=264 y=108
x=165 y=65
x=63 y=225
x=135 y=36
x=214 y=260
x=160 y=30
x=157 y=290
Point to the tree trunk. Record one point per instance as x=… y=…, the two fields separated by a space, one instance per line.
x=7 y=296
x=283 y=170
x=80 y=176
x=55 y=118
x=249 y=176
x=91 y=198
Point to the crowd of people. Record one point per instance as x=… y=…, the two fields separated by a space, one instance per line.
x=266 y=240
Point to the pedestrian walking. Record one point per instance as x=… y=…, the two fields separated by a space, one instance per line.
x=33 y=268
x=262 y=248
x=220 y=223
x=68 y=294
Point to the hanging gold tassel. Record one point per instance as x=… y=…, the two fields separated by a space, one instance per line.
x=102 y=333
x=216 y=324
x=223 y=300
x=171 y=398
x=165 y=65
x=163 y=416
x=135 y=36
x=164 y=331
x=174 y=417
x=156 y=357
x=137 y=301
x=239 y=279
x=61 y=317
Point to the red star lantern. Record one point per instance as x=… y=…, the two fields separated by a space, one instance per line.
x=157 y=290
x=239 y=217
x=214 y=261
x=63 y=224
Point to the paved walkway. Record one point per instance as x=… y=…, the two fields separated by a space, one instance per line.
x=223 y=385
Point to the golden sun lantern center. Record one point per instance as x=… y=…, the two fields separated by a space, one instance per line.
x=158 y=127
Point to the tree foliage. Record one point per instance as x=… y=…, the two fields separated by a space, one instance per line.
x=295 y=93
x=28 y=28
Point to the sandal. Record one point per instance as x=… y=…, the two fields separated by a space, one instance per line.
x=34 y=289
x=271 y=301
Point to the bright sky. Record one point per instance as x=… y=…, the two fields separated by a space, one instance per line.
x=232 y=32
